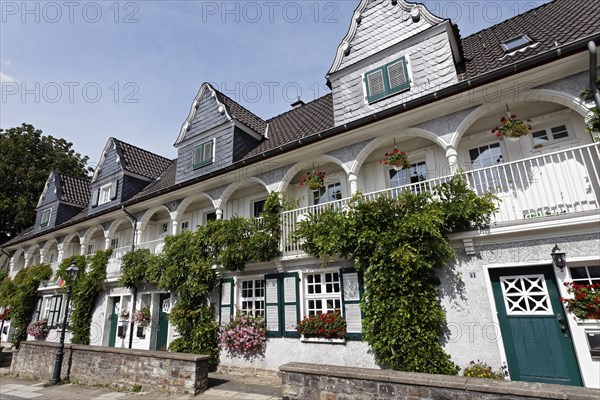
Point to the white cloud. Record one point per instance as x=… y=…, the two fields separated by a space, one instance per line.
x=6 y=78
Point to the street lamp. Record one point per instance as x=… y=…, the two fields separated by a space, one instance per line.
x=72 y=272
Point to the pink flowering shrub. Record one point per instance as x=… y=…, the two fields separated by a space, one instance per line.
x=245 y=335
x=39 y=329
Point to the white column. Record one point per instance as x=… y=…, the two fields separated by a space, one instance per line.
x=11 y=264
x=174 y=227
x=82 y=250
x=219 y=213
x=452 y=157
x=353 y=182
x=42 y=255
x=27 y=257
x=106 y=241
x=61 y=252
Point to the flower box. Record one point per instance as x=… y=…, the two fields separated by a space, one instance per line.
x=313 y=180
x=330 y=326
x=512 y=128
x=323 y=340
x=397 y=159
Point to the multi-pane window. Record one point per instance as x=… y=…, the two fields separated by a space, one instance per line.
x=416 y=173
x=257 y=208
x=185 y=226
x=387 y=80
x=114 y=243
x=105 y=194
x=91 y=249
x=211 y=216
x=587 y=275
x=323 y=292
x=548 y=135
x=327 y=193
x=252 y=296
x=45 y=220
x=203 y=154
x=490 y=179
x=485 y=156
x=52 y=311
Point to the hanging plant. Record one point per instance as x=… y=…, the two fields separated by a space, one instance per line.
x=142 y=317
x=512 y=128
x=39 y=329
x=124 y=315
x=397 y=158
x=314 y=181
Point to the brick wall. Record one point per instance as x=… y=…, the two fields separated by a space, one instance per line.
x=123 y=368
x=328 y=382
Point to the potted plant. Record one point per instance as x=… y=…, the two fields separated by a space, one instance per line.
x=330 y=325
x=313 y=180
x=244 y=335
x=142 y=317
x=585 y=302
x=39 y=329
x=397 y=158
x=512 y=128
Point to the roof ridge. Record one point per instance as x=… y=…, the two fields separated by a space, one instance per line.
x=139 y=148
x=512 y=18
x=296 y=109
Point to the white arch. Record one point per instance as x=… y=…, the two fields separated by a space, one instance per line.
x=388 y=140
x=90 y=232
x=547 y=95
x=67 y=240
x=116 y=223
x=149 y=213
x=235 y=186
x=299 y=166
x=48 y=245
x=189 y=200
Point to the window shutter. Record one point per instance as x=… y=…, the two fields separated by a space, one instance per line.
x=272 y=300
x=38 y=309
x=226 y=303
x=113 y=189
x=95 y=197
x=352 y=291
x=291 y=306
x=208 y=152
x=375 y=84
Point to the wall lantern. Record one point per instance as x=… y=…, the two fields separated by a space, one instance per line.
x=559 y=258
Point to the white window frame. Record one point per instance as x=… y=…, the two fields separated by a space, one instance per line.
x=184 y=226
x=412 y=163
x=324 y=297
x=105 y=194
x=527 y=43
x=202 y=162
x=588 y=279
x=91 y=248
x=114 y=243
x=327 y=185
x=253 y=298
x=547 y=127
x=45 y=218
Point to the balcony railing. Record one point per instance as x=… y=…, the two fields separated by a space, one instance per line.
x=155 y=246
x=113 y=268
x=551 y=184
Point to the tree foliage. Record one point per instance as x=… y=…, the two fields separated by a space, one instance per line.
x=26 y=159
x=398 y=244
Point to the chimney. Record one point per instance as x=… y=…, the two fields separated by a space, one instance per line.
x=297 y=104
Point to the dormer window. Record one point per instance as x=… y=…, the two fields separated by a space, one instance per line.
x=45 y=220
x=516 y=43
x=203 y=154
x=104 y=194
x=387 y=80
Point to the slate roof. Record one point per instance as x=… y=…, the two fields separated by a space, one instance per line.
x=74 y=190
x=242 y=114
x=550 y=25
x=140 y=161
x=166 y=179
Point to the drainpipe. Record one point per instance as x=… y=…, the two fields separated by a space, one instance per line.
x=594 y=72
x=134 y=290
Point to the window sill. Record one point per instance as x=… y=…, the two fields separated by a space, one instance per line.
x=554 y=145
x=588 y=323
x=322 y=340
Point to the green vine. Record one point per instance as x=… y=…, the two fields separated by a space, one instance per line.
x=21 y=294
x=398 y=244
x=85 y=291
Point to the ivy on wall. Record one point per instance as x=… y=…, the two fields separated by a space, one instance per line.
x=398 y=244
x=21 y=294
x=186 y=268
x=85 y=291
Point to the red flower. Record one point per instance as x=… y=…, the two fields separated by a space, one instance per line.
x=503 y=120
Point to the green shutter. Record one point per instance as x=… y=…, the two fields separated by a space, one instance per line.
x=272 y=301
x=387 y=80
x=203 y=154
x=352 y=291
x=226 y=301
x=291 y=303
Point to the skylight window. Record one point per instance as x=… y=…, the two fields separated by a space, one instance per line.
x=516 y=43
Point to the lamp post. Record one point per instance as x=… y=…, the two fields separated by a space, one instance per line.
x=559 y=257
x=72 y=272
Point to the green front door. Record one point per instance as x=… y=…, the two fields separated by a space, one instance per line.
x=534 y=329
x=163 y=321
x=114 y=322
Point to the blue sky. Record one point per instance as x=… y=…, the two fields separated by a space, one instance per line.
x=87 y=71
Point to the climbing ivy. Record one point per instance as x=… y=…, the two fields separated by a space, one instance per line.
x=398 y=244
x=85 y=291
x=134 y=267
x=21 y=294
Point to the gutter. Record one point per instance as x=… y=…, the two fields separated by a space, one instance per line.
x=480 y=80
x=134 y=289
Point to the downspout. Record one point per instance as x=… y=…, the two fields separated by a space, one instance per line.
x=594 y=73
x=134 y=290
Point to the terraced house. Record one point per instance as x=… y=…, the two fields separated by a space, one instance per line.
x=401 y=77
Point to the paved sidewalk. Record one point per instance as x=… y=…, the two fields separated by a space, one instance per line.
x=221 y=387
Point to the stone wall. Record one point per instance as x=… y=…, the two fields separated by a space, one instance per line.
x=328 y=382
x=123 y=368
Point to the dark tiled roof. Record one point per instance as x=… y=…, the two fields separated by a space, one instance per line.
x=142 y=162
x=164 y=181
x=552 y=24
x=242 y=114
x=21 y=236
x=74 y=190
x=295 y=124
